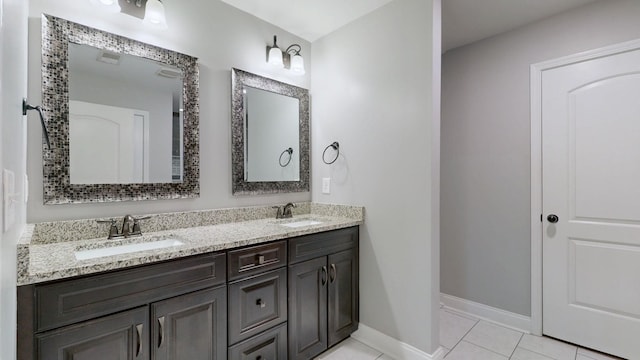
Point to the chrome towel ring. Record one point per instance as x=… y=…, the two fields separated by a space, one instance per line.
x=286 y=151
x=335 y=146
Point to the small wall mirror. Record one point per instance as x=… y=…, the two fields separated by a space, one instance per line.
x=122 y=115
x=270 y=125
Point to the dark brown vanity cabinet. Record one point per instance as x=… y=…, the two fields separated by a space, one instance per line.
x=323 y=291
x=171 y=310
x=291 y=298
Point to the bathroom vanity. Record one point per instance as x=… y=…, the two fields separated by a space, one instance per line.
x=269 y=291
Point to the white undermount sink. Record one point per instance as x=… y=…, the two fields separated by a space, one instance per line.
x=301 y=223
x=126 y=248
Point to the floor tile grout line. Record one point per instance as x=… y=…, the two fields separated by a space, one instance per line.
x=478 y=322
x=516 y=348
x=465 y=334
x=480 y=346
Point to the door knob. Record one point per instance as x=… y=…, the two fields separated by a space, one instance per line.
x=552 y=218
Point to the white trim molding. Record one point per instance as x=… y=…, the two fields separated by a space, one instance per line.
x=485 y=312
x=393 y=347
x=536 y=165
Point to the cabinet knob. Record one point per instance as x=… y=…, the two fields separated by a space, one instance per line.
x=260 y=259
x=553 y=218
x=261 y=303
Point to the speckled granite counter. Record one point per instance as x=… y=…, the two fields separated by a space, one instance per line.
x=47 y=251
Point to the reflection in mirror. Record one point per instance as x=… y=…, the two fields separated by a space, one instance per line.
x=128 y=129
x=270 y=143
x=130 y=134
x=272 y=136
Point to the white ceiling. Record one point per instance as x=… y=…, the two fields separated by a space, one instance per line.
x=308 y=19
x=463 y=21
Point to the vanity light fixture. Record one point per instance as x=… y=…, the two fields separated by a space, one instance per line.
x=289 y=59
x=150 y=11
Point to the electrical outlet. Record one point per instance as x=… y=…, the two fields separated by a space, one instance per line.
x=326 y=185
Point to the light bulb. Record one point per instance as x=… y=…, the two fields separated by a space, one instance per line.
x=154 y=14
x=297 y=64
x=107 y=5
x=275 y=57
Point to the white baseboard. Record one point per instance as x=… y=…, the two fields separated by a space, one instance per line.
x=505 y=318
x=392 y=347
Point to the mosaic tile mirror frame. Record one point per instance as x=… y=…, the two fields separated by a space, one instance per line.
x=241 y=186
x=57 y=33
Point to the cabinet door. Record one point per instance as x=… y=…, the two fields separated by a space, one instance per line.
x=124 y=336
x=308 y=308
x=191 y=326
x=343 y=295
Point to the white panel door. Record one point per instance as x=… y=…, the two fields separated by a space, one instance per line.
x=106 y=144
x=591 y=181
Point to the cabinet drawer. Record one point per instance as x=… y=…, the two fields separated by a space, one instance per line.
x=271 y=345
x=80 y=299
x=256 y=304
x=256 y=259
x=308 y=247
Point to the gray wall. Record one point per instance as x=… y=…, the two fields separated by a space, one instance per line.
x=13 y=153
x=485 y=207
x=375 y=89
x=221 y=37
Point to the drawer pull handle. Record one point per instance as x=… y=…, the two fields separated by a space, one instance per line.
x=161 y=332
x=259 y=357
x=139 y=339
x=333 y=273
x=260 y=259
x=324 y=275
x=261 y=303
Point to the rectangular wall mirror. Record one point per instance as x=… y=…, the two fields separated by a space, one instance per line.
x=123 y=117
x=270 y=125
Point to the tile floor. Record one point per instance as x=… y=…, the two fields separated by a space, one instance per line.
x=468 y=338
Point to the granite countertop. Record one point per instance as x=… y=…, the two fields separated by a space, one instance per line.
x=40 y=261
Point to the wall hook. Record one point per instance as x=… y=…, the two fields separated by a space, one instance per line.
x=26 y=107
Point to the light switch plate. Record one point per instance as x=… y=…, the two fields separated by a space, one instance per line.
x=8 y=194
x=326 y=185
x=26 y=188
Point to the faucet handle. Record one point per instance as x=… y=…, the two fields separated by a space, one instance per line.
x=280 y=211
x=113 y=228
x=136 y=225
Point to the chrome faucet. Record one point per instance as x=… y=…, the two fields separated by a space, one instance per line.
x=130 y=227
x=284 y=212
